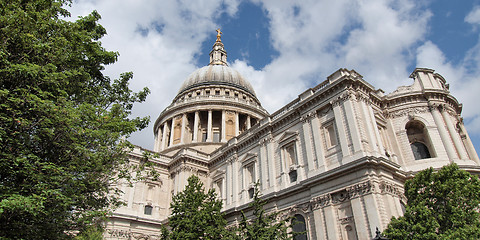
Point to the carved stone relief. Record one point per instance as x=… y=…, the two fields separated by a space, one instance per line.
x=308 y=117
x=407 y=111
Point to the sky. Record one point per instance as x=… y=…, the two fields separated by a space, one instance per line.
x=284 y=47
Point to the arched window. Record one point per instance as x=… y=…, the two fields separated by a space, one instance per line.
x=419 y=140
x=148 y=210
x=420 y=150
x=298 y=226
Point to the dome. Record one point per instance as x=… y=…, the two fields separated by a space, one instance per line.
x=216 y=75
x=214 y=104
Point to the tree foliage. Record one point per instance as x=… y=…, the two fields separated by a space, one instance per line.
x=196 y=214
x=61 y=121
x=441 y=205
x=262 y=225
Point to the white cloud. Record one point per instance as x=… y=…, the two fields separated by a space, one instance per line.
x=473 y=17
x=463 y=79
x=158 y=41
x=315 y=38
x=380 y=39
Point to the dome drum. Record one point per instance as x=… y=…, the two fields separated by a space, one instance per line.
x=201 y=127
x=215 y=91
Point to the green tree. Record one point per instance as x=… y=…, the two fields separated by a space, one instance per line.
x=94 y=232
x=61 y=121
x=262 y=225
x=196 y=214
x=440 y=205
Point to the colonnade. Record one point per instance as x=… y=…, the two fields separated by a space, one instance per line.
x=202 y=126
x=447 y=132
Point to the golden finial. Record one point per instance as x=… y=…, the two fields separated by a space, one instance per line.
x=219 y=35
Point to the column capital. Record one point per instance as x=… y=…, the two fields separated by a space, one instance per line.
x=432 y=106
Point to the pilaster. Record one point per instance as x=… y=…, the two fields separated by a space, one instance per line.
x=443 y=132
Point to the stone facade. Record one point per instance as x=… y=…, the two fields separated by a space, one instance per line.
x=336 y=157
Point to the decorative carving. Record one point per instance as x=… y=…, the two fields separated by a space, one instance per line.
x=304 y=207
x=408 y=111
x=346 y=220
x=360 y=189
x=348 y=95
x=362 y=97
x=119 y=233
x=324 y=111
x=339 y=197
x=321 y=201
x=309 y=116
x=266 y=140
x=434 y=106
x=391 y=188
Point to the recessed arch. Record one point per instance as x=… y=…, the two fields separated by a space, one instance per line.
x=419 y=140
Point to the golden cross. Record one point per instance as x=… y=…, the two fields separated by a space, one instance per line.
x=219 y=35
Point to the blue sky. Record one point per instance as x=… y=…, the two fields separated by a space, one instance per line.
x=285 y=47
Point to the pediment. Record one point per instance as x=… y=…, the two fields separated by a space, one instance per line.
x=217 y=173
x=249 y=157
x=288 y=136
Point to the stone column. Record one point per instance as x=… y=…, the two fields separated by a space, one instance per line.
x=368 y=124
x=454 y=135
x=228 y=184
x=236 y=177
x=262 y=164
x=249 y=124
x=372 y=211
x=319 y=217
x=308 y=142
x=224 y=135
x=363 y=231
x=271 y=163
x=182 y=130
x=171 y=131
x=209 y=126
x=195 y=127
x=376 y=131
x=158 y=140
x=443 y=132
x=468 y=142
x=342 y=135
x=237 y=124
x=331 y=223
x=353 y=125
x=164 y=136
x=317 y=140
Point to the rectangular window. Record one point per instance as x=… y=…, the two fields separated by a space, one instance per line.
x=216 y=136
x=290 y=155
x=251 y=192
x=204 y=136
x=249 y=178
x=293 y=175
x=218 y=186
x=330 y=135
x=290 y=158
x=250 y=174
